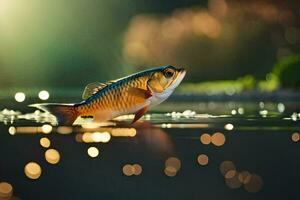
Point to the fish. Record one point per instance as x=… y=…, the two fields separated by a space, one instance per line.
x=133 y=94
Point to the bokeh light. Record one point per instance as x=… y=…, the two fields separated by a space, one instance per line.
x=202 y=159
x=93 y=152
x=128 y=170
x=64 y=130
x=170 y=171
x=255 y=184
x=52 y=156
x=233 y=182
x=20 y=96
x=6 y=191
x=226 y=166
x=244 y=177
x=295 y=137
x=218 y=139
x=12 y=130
x=33 y=170
x=123 y=132
x=46 y=128
x=101 y=137
x=44 y=95
x=45 y=142
x=172 y=166
x=173 y=162
x=230 y=174
x=229 y=127
x=205 y=138
x=137 y=169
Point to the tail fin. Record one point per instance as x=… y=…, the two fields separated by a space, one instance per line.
x=65 y=113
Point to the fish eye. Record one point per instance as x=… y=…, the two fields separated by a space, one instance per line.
x=168 y=74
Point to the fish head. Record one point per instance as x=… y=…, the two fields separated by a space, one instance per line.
x=165 y=79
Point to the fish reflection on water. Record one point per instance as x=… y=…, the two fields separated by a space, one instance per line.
x=208 y=139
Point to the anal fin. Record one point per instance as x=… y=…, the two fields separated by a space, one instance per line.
x=139 y=114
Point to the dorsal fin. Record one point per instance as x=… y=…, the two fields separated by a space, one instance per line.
x=92 y=88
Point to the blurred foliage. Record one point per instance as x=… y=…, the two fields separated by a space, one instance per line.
x=61 y=44
x=229 y=87
x=288 y=72
x=270 y=84
x=225 y=40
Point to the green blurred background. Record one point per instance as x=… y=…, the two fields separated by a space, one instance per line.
x=61 y=44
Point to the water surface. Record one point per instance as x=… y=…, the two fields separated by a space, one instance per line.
x=180 y=150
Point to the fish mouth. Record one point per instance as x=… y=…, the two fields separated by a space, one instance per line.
x=179 y=78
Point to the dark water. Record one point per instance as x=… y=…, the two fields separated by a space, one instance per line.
x=256 y=137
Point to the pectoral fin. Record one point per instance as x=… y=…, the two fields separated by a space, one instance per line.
x=139 y=114
x=139 y=92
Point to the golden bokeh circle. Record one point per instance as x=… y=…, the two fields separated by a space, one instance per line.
x=93 y=152
x=47 y=128
x=230 y=174
x=205 y=138
x=78 y=137
x=45 y=142
x=137 y=169
x=295 y=137
x=12 y=130
x=255 y=184
x=218 y=139
x=128 y=170
x=52 y=156
x=6 y=190
x=173 y=162
x=170 y=171
x=226 y=166
x=244 y=177
x=33 y=170
x=202 y=159
x=234 y=181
